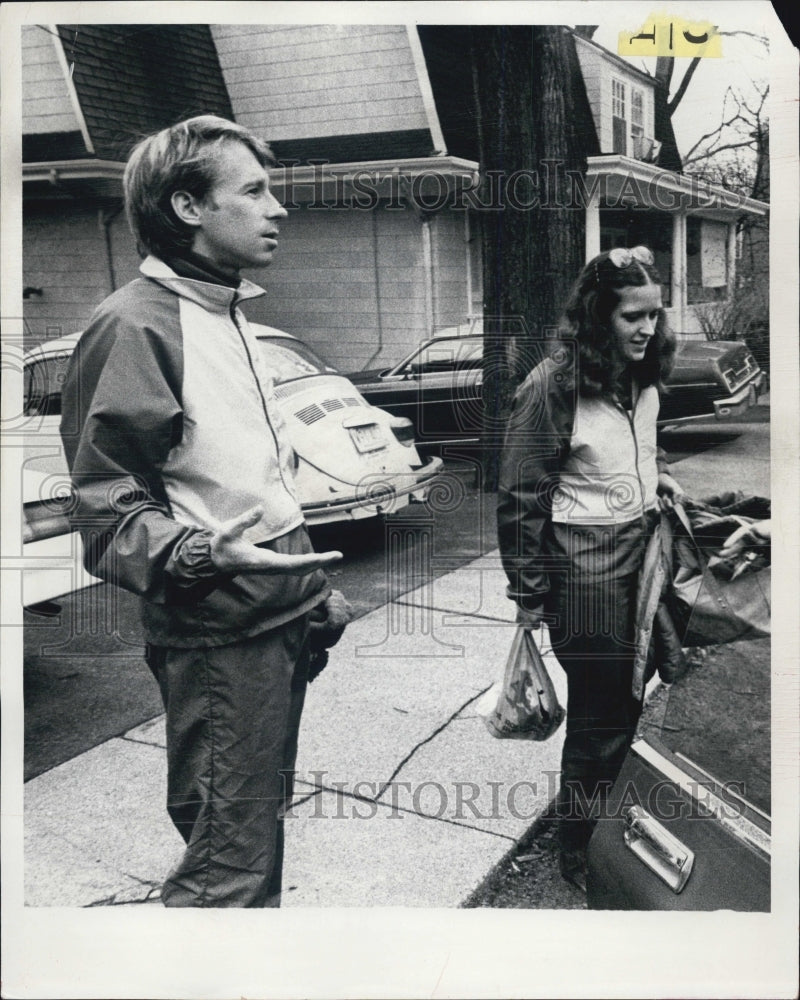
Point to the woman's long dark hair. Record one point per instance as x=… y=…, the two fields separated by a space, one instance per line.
x=587 y=319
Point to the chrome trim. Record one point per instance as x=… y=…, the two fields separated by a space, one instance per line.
x=425 y=476
x=661 y=851
x=741 y=400
x=724 y=812
x=730 y=791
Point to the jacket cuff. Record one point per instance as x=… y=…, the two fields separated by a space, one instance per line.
x=191 y=561
x=533 y=602
x=191 y=573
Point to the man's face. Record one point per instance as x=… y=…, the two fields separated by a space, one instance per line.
x=237 y=220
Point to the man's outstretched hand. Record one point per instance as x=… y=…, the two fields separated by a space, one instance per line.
x=230 y=553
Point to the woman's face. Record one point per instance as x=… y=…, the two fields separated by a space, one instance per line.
x=633 y=322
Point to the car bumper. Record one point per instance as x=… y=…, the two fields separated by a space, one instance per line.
x=741 y=401
x=395 y=498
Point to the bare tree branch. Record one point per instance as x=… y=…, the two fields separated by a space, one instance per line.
x=744 y=144
x=723 y=124
x=676 y=100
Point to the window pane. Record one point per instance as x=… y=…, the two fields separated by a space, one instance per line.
x=446 y=354
x=637 y=107
x=618 y=98
x=620 y=136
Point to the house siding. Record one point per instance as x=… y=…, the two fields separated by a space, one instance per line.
x=353 y=284
x=303 y=81
x=451 y=300
x=46 y=104
x=598 y=72
x=64 y=254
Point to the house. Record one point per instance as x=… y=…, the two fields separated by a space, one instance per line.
x=373 y=129
x=638 y=194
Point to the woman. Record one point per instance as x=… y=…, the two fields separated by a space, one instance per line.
x=580 y=482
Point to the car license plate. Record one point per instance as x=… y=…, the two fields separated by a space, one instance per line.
x=368 y=437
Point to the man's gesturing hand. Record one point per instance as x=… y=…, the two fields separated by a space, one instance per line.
x=230 y=553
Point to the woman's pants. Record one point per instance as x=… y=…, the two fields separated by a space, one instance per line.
x=595 y=606
x=233 y=715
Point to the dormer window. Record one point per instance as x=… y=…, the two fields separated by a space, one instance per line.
x=619 y=118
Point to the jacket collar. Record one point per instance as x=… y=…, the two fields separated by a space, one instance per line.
x=214 y=297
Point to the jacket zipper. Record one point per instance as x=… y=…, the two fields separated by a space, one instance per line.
x=630 y=416
x=261 y=397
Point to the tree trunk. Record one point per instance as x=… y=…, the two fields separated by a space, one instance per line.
x=535 y=127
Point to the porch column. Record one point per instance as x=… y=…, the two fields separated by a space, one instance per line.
x=731 y=259
x=678 y=282
x=429 y=279
x=592 y=226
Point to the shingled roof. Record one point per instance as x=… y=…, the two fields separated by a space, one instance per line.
x=447 y=50
x=133 y=79
x=405 y=144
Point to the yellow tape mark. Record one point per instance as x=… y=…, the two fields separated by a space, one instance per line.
x=669 y=35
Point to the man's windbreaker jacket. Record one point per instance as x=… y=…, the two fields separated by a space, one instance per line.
x=170 y=428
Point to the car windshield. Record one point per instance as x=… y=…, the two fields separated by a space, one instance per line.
x=290 y=359
x=446 y=353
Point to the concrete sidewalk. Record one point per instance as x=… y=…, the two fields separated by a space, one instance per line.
x=403 y=797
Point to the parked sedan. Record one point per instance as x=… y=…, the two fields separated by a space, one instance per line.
x=353 y=460
x=439 y=386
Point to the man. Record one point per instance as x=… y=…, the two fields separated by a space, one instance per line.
x=185 y=496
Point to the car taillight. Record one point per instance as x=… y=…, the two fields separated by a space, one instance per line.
x=403 y=431
x=740 y=371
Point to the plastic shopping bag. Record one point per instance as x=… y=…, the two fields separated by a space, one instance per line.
x=527 y=707
x=712 y=602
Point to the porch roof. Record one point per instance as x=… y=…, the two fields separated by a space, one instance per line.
x=619 y=182
x=420 y=166
x=104 y=177
x=88 y=168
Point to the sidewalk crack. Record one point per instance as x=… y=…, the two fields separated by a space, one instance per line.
x=397 y=809
x=428 y=739
x=453 y=613
x=122 y=897
x=144 y=743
